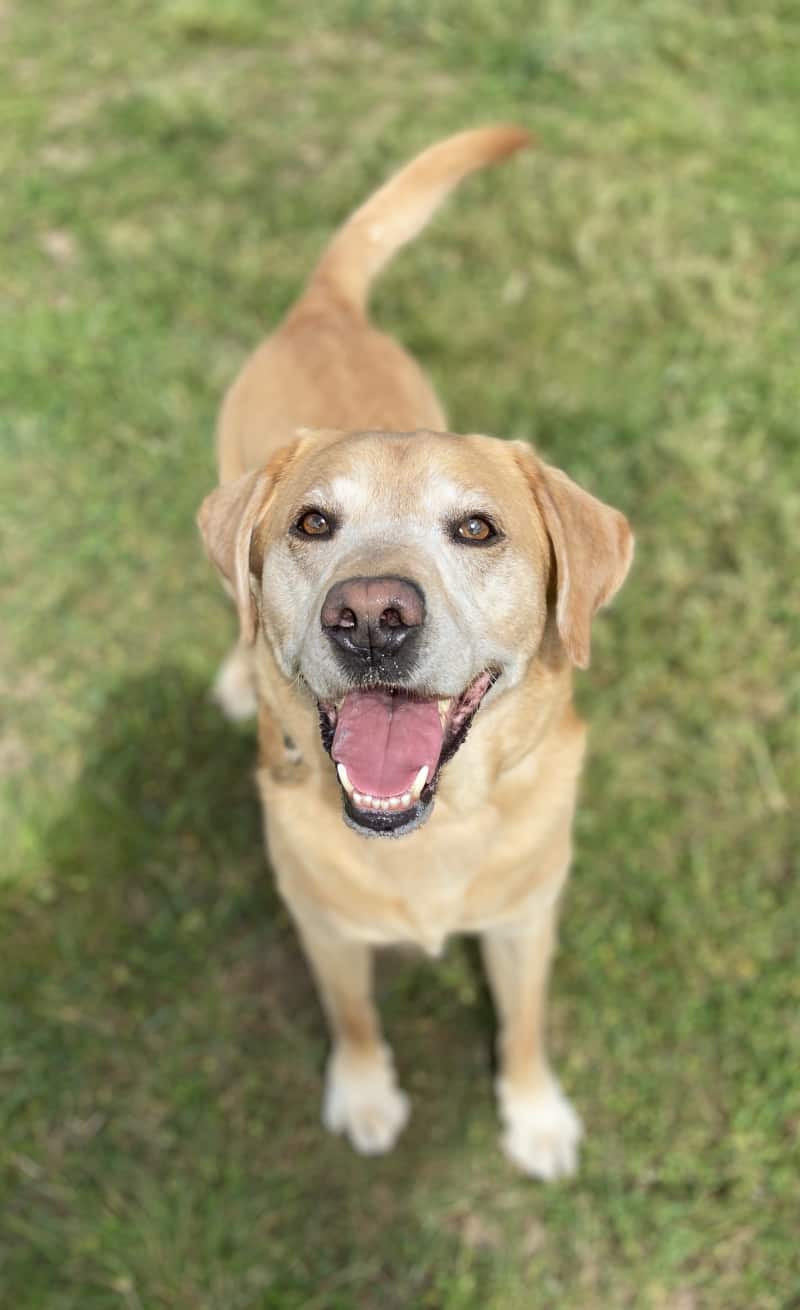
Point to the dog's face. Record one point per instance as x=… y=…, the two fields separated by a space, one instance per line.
x=405 y=578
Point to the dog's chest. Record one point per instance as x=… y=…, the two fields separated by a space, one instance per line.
x=489 y=850
x=420 y=890
x=436 y=889
x=454 y=875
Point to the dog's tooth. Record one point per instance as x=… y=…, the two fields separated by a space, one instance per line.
x=405 y=800
x=419 y=782
x=344 y=780
x=358 y=798
x=394 y=803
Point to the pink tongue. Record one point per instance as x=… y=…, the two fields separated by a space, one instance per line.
x=383 y=740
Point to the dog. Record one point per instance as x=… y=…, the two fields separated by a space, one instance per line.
x=411 y=605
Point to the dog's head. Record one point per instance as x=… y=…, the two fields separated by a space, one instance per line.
x=405 y=578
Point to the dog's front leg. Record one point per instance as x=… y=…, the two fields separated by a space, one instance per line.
x=361 y=1097
x=541 y=1129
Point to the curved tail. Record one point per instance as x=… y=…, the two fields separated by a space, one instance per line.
x=395 y=213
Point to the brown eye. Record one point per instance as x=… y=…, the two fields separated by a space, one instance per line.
x=313 y=524
x=476 y=530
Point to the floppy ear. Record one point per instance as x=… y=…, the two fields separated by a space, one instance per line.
x=592 y=548
x=228 y=519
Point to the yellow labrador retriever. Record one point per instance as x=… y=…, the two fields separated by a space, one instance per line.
x=411 y=605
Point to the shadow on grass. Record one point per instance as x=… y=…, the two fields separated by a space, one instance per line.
x=162 y=769
x=172 y=1044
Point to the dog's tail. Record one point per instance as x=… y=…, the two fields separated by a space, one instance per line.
x=403 y=205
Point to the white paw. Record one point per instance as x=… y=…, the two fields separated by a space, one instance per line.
x=233 y=688
x=364 y=1101
x=542 y=1131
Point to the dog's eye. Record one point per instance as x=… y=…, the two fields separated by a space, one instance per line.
x=476 y=530
x=313 y=524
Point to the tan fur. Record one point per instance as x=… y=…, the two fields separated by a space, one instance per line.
x=494 y=855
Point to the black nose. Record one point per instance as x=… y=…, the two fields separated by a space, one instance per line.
x=371 y=619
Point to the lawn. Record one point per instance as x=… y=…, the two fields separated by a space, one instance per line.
x=627 y=297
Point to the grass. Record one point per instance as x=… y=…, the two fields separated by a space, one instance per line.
x=626 y=298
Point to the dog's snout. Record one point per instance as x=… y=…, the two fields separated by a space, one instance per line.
x=372 y=618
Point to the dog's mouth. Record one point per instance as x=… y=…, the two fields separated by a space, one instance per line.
x=389 y=747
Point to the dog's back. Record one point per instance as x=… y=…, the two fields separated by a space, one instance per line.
x=327 y=366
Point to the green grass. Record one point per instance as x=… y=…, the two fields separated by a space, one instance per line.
x=628 y=298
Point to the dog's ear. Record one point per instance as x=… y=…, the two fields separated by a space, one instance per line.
x=592 y=548
x=228 y=519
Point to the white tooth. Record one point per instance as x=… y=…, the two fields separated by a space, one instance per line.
x=344 y=780
x=394 y=803
x=374 y=802
x=358 y=798
x=405 y=800
x=444 y=705
x=419 y=782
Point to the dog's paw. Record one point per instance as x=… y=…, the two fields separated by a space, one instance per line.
x=541 y=1131
x=233 y=688
x=364 y=1101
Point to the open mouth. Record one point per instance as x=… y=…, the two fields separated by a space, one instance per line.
x=389 y=747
